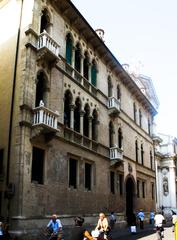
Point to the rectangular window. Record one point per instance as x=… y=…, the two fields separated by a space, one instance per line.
x=112 y=182
x=88 y=176
x=72 y=173
x=149 y=127
x=151 y=160
x=142 y=155
x=140 y=118
x=1 y=160
x=152 y=190
x=120 y=184
x=37 y=165
x=134 y=111
x=138 y=188
x=143 y=189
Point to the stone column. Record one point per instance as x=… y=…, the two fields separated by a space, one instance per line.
x=96 y=130
x=89 y=72
x=82 y=69
x=114 y=138
x=90 y=127
x=73 y=60
x=82 y=65
x=72 y=116
x=73 y=57
x=82 y=122
x=172 y=184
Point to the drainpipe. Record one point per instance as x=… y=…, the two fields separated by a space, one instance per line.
x=13 y=97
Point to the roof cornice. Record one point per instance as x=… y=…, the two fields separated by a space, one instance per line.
x=77 y=21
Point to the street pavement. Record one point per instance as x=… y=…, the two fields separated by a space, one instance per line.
x=148 y=233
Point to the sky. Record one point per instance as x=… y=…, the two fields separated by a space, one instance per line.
x=143 y=33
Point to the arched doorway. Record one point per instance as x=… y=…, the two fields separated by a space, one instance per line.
x=130 y=188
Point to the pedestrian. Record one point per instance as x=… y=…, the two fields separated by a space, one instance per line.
x=159 y=219
x=55 y=228
x=140 y=216
x=133 y=223
x=1 y=231
x=6 y=234
x=112 y=220
x=102 y=228
x=151 y=217
x=174 y=220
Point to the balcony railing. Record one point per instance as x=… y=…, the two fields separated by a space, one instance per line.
x=116 y=154
x=45 y=42
x=78 y=77
x=46 y=118
x=113 y=105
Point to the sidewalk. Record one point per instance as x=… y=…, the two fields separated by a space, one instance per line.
x=148 y=233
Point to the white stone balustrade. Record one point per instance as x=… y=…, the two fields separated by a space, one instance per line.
x=114 y=104
x=45 y=41
x=45 y=117
x=116 y=153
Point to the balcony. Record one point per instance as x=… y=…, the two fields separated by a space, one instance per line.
x=76 y=76
x=116 y=155
x=45 y=118
x=113 y=106
x=47 y=47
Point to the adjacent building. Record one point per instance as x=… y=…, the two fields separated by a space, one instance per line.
x=166 y=156
x=76 y=128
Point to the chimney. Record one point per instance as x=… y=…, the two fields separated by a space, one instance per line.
x=100 y=33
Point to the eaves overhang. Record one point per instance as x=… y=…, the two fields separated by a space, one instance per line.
x=75 y=19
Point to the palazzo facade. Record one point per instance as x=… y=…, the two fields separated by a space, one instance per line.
x=75 y=125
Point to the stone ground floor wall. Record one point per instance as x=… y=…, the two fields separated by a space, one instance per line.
x=37 y=201
x=32 y=228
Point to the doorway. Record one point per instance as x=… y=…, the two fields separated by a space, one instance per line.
x=130 y=188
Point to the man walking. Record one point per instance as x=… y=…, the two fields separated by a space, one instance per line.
x=141 y=218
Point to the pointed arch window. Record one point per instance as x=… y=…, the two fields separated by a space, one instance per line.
x=78 y=58
x=67 y=112
x=77 y=115
x=120 y=138
x=45 y=21
x=69 y=47
x=109 y=87
x=94 y=125
x=136 y=150
x=86 y=120
x=41 y=89
x=94 y=74
x=86 y=66
x=111 y=134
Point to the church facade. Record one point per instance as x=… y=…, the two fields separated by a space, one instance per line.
x=165 y=158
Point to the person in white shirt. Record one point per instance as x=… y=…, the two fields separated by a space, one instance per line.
x=159 y=219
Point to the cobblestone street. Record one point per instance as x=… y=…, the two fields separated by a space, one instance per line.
x=168 y=235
